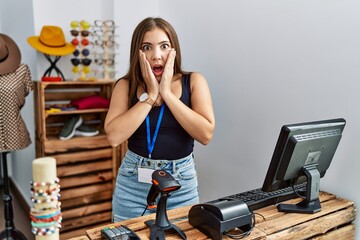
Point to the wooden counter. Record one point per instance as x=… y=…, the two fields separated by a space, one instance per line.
x=334 y=221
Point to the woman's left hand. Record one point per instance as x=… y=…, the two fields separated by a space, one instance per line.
x=165 y=83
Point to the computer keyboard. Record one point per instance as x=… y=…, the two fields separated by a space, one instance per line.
x=257 y=198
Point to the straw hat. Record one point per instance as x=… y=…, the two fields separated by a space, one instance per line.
x=51 y=41
x=10 y=55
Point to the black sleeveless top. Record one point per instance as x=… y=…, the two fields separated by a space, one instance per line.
x=172 y=142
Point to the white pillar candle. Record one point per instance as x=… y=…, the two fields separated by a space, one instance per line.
x=45 y=182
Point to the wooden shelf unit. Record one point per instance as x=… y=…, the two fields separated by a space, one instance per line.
x=87 y=166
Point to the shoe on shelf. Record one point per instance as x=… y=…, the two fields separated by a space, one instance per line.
x=86 y=131
x=70 y=125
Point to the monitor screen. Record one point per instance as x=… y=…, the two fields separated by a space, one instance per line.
x=302 y=154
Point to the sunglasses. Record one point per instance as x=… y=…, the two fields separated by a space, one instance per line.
x=108 y=69
x=106 y=43
x=106 y=23
x=85 y=52
x=108 y=62
x=76 y=69
x=101 y=32
x=98 y=39
x=104 y=74
x=84 y=25
x=83 y=42
x=84 y=33
x=83 y=61
x=104 y=55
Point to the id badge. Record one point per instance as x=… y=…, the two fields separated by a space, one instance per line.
x=145 y=175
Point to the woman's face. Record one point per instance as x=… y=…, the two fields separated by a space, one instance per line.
x=156 y=46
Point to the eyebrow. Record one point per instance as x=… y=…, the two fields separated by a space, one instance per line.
x=148 y=43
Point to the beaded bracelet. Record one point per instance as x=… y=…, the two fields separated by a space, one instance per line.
x=42 y=192
x=46 y=200
x=45 y=192
x=46 y=215
x=45 y=220
x=45 y=231
x=43 y=184
x=42 y=210
x=47 y=224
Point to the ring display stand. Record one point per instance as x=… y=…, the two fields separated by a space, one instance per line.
x=47 y=75
x=162 y=223
x=10 y=233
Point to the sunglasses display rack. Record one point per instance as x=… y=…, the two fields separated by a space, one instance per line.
x=81 y=60
x=104 y=49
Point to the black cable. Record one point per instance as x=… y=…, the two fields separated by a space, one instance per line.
x=296 y=192
x=243 y=234
x=144 y=210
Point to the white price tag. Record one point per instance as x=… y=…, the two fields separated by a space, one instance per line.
x=145 y=175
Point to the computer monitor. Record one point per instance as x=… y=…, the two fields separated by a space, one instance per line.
x=302 y=154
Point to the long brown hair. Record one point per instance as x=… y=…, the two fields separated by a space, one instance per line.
x=134 y=75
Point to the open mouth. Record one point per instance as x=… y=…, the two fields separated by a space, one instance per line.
x=158 y=70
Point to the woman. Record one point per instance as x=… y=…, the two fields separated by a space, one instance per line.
x=160 y=110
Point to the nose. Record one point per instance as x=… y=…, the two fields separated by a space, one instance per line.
x=156 y=54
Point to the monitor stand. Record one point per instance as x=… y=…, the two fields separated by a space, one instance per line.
x=312 y=203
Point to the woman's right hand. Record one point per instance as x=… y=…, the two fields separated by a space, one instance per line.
x=152 y=84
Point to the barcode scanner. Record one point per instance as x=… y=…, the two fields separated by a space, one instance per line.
x=162 y=184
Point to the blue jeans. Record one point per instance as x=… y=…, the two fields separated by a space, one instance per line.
x=129 y=198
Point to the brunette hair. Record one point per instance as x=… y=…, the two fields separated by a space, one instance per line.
x=134 y=75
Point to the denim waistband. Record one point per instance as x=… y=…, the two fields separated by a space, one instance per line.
x=159 y=163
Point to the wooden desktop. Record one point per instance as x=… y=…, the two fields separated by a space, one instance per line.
x=334 y=221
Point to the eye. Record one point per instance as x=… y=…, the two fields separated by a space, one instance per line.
x=146 y=47
x=165 y=46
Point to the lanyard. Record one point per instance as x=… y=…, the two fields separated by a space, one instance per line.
x=150 y=143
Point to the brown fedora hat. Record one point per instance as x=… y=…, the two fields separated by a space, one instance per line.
x=51 y=41
x=10 y=56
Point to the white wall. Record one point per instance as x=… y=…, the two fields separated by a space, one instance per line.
x=271 y=63
x=127 y=14
x=18 y=28
x=268 y=63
